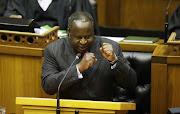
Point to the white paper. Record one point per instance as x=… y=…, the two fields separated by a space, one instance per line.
x=43 y=30
x=116 y=39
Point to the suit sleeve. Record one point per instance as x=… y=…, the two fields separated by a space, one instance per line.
x=3 y=4
x=52 y=75
x=15 y=7
x=125 y=76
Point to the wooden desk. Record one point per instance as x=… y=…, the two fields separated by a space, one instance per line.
x=165 y=78
x=21 y=66
x=144 y=47
x=48 y=106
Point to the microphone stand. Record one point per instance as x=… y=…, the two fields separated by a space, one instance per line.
x=58 y=103
x=166 y=24
x=166 y=28
x=76 y=111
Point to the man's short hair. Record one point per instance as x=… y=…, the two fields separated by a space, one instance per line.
x=81 y=16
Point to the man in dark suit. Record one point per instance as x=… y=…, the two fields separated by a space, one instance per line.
x=92 y=76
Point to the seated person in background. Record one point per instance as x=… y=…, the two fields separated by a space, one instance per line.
x=3 y=5
x=47 y=12
x=66 y=9
x=92 y=76
x=174 y=23
x=43 y=11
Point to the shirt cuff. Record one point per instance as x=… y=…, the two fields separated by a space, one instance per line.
x=113 y=66
x=115 y=60
x=80 y=76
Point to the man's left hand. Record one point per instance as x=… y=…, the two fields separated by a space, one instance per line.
x=107 y=51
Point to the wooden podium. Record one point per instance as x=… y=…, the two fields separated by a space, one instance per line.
x=48 y=106
x=165 y=76
x=21 y=58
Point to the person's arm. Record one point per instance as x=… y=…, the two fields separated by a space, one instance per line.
x=52 y=74
x=15 y=9
x=125 y=76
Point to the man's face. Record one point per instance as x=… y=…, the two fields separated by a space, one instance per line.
x=81 y=35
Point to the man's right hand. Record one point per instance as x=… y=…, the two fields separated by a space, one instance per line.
x=88 y=60
x=15 y=16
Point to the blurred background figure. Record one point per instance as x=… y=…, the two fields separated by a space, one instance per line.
x=174 y=23
x=3 y=5
x=49 y=12
x=67 y=8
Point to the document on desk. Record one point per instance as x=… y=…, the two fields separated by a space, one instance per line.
x=43 y=29
x=116 y=39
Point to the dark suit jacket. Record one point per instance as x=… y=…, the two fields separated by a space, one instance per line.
x=174 y=22
x=30 y=9
x=68 y=7
x=3 y=5
x=97 y=82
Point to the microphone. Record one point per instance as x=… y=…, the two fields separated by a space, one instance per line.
x=166 y=24
x=58 y=103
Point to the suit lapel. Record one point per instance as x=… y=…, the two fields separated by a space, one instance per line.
x=89 y=73
x=69 y=54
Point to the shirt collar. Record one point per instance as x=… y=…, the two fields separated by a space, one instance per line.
x=44 y=4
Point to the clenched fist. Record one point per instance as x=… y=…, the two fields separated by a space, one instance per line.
x=108 y=52
x=88 y=60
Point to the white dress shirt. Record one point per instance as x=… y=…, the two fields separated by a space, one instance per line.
x=44 y=4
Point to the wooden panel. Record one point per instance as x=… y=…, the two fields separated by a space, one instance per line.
x=173 y=86
x=164 y=80
x=173 y=45
x=21 y=66
x=158 y=88
x=84 y=106
x=20 y=76
x=143 y=47
x=137 y=47
x=101 y=7
x=27 y=39
x=136 y=14
x=113 y=15
x=141 y=14
x=160 y=54
x=17 y=50
x=173 y=60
